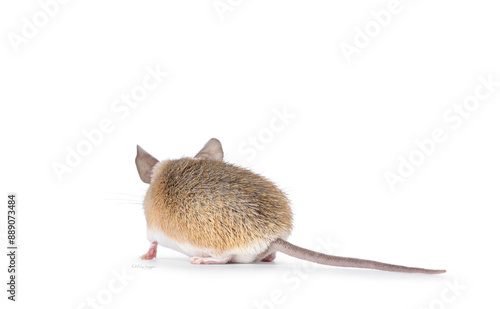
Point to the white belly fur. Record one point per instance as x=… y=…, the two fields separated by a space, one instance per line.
x=250 y=254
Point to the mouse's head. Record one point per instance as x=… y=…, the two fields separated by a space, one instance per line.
x=146 y=163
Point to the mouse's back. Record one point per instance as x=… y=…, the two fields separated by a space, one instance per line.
x=216 y=205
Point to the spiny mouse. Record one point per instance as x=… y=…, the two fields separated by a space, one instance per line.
x=216 y=212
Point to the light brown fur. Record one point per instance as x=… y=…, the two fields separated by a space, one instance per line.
x=216 y=205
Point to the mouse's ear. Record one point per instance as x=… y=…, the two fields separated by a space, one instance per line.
x=211 y=151
x=144 y=163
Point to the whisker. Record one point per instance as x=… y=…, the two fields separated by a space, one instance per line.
x=119 y=198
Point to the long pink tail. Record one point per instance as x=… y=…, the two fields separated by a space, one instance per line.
x=332 y=260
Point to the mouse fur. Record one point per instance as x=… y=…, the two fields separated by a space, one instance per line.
x=213 y=208
x=216 y=212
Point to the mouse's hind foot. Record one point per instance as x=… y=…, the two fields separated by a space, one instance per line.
x=205 y=260
x=151 y=254
x=269 y=258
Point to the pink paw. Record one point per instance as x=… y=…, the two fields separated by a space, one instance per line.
x=200 y=260
x=151 y=254
x=270 y=257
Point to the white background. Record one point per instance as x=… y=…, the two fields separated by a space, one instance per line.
x=351 y=122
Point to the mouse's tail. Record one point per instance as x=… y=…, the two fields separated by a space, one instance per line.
x=320 y=258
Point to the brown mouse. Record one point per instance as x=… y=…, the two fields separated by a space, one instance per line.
x=216 y=212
